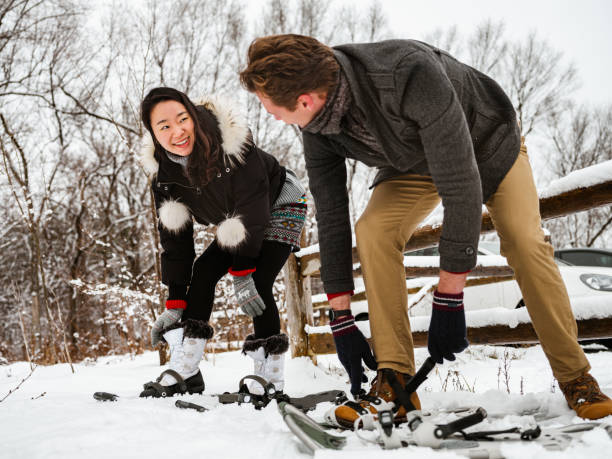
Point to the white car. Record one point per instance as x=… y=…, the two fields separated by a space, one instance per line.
x=580 y=281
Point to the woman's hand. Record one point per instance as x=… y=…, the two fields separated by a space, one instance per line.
x=247 y=297
x=167 y=318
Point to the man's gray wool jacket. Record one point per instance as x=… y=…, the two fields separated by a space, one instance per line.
x=431 y=115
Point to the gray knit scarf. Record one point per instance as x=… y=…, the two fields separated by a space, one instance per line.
x=340 y=115
x=182 y=160
x=338 y=102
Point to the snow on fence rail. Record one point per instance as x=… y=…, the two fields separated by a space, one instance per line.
x=581 y=190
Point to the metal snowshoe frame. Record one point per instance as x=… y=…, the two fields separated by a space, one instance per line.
x=259 y=401
x=244 y=396
x=310 y=433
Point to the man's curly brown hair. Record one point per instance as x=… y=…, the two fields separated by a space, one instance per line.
x=282 y=67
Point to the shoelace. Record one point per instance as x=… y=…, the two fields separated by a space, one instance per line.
x=376 y=394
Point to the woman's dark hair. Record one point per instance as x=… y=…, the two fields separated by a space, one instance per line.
x=203 y=163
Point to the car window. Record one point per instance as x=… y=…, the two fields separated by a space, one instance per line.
x=587 y=258
x=561 y=262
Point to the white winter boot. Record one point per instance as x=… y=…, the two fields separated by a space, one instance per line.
x=268 y=356
x=186 y=351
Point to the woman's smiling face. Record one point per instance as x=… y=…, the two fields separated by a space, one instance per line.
x=173 y=127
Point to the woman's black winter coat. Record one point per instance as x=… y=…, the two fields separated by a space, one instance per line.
x=238 y=199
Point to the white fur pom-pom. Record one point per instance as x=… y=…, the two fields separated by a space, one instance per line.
x=231 y=232
x=174 y=215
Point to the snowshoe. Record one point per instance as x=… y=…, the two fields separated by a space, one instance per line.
x=311 y=434
x=192 y=385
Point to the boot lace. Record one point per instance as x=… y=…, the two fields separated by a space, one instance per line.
x=380 y=389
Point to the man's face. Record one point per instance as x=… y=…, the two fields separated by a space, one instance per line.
x=302 y=115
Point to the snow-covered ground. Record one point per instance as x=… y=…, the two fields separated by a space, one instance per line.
x=53 y=414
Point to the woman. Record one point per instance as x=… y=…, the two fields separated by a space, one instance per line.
x=205 y=167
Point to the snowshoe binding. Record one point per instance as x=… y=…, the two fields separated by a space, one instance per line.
x=192 y=385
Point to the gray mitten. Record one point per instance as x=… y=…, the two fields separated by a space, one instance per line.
x=247 y=297
x=167 y=318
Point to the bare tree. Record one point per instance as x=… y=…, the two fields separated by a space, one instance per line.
x=581 y=137
x=447 y=39
x=537 y=81
x=79 y=237
x=487 y=46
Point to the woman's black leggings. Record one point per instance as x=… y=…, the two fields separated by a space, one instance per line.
x=213 y=264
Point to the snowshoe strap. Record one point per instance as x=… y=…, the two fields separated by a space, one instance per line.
x=305 y=403
x=402 y=394
x=245 y=396
x=357 y=407
x=526 y=435
x=310 y=402
x=160 y=391
x=179 y=379
x=420 y=376
x=188 y=405
x=235 y=397
x=402 y=397
x=269 y=389
x=105 y=396
x=446 y=430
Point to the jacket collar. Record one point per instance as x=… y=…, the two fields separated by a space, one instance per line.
x=235 y=134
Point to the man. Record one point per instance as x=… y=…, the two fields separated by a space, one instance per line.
x=435 y=129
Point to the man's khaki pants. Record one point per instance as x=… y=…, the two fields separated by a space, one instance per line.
x=396 y=208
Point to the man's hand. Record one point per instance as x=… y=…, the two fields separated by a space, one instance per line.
x=352 y=349
x=447 y=332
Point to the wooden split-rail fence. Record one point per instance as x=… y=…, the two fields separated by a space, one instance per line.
x=299 y=271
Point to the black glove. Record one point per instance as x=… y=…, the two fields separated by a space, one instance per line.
x=352 y=348
x=447 y=333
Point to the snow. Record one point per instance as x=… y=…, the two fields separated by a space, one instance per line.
x=589 y=176
x=428 y=261
x=588 y=307
x=417 y=282
x=66 y=422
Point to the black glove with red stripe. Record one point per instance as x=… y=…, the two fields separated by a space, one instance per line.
x=447 y=331
x=352 y=349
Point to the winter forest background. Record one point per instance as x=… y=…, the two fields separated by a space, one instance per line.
x=79 y=273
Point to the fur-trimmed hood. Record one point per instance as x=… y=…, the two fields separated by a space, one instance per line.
x=237 y=199
x=232 y=126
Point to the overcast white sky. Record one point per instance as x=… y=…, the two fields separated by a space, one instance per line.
x=581 y=29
